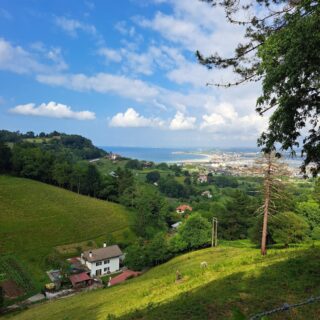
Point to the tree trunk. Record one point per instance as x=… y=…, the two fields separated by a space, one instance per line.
x=266 y=208
x=265 y=228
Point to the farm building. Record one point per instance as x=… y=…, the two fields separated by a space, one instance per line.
x=127 y=274
x=102 y=261
x=80 y=280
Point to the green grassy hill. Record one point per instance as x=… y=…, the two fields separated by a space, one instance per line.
x=36 y=217
x=237 y=283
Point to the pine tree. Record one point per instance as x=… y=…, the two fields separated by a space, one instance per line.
x=273 y=171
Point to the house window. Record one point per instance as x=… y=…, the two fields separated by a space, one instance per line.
x=107 y=261
x=107 y=269
x=98 y=272
x=99 y=263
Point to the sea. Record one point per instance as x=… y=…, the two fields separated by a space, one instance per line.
x=172 y=155
x=157 y=155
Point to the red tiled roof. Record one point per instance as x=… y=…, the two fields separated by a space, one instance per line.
x=123 y=276
x=80 y=277
x=184 y=207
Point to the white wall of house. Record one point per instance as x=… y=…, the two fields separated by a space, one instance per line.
x=106 y=266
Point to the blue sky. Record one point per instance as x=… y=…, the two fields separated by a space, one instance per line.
x=122 y=73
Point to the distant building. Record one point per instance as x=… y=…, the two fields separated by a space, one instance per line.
x=203 y=178
x=103 y=260
x=112 y=156
x=176 y=225
x=183 y=208
x=207 y=194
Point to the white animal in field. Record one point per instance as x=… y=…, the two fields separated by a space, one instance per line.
x=204 y=264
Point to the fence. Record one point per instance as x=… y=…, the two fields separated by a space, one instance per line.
x=285 y=307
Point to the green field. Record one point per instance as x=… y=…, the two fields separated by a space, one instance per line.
x=237 y=283
x=36 y=217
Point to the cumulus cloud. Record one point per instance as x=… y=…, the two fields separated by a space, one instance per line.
x=133 y=119
x=181 y=122
x=226 y=121
x=52 y=110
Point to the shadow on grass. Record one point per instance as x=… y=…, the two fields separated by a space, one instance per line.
x=241 y=295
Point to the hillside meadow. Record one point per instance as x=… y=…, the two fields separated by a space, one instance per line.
x=36 y=217
x=237 y=283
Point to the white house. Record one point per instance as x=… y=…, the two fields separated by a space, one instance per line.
x=102 y=261
x=203 y=178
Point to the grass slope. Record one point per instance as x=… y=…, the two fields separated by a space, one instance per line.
x=36 y=217
x=237 y=283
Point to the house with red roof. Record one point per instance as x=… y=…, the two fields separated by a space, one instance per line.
x=183 y=208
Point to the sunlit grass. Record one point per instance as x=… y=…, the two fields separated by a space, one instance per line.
x=238 y=280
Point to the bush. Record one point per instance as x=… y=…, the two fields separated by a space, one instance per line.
x=195 y=231
x=153 y=176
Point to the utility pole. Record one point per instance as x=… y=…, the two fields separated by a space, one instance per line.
x=214 y=232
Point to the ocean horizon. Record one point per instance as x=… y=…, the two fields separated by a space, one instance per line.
x=159 y=155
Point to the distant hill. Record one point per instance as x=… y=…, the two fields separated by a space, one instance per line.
x=237 y=283
x=36 y=217
x=80 y=147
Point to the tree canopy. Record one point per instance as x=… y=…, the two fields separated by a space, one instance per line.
x=282 y=50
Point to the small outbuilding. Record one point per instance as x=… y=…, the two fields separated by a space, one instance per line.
x=176 y=225
x=81 y=280
x=127 y=274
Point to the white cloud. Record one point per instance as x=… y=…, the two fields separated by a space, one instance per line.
x=18 y=60
x=72 y=26
x=212 y=120
x=54 y=54
x=103 y=83
x=132 y=118
x=110 y=54
x=195 y=26
x=181 y=122
x=227 y=122
x=52 y=110
x=124 y=29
